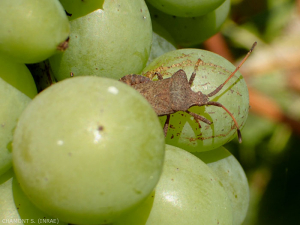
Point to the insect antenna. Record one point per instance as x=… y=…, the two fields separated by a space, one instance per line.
x=232 y=74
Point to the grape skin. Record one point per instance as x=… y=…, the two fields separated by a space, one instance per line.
x=187 y=8
x=109 y=42
x=233 y=178
x=188 y=193
x=188 y=32
x=17 y=87
x=78 y=8
x=32 y=30
x=15 y=207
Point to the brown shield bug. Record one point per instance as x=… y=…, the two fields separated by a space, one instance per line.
x=173 y=94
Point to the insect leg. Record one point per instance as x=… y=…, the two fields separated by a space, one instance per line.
x=166 y=126
x=192 y=78
x=159 y=76
x=198 y=117
x=230 y=114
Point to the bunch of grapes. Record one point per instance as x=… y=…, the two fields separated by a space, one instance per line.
x=90 y=149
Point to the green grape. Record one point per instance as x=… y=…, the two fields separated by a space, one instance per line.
x=88 y=149
x=16 y=90
x=184 y=131
x=15 y=207
x=188 y=192
x=17 y=75
x=27 y=210
x=233 y=178
x=159 y=46
x=8 y=209
x=187 y=8
x=111 y=42
x=78 y=8
x=32 y=30
x=189 y=31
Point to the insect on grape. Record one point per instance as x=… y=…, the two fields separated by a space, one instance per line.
x=170 y=95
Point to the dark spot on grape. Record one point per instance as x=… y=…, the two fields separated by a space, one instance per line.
x=172 y=136
x=100 y=128
x=71 y=74
x=155 y=16
x=70 y=154
x=174 y=17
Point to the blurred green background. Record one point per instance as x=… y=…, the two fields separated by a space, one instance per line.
x=270 y=152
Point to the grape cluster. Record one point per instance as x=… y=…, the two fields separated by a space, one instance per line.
x=90 y=149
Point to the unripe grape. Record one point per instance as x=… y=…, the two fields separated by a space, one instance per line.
x=159 y=46
x=187 y=8
x=88 y=149
x=8 y=209
x=233 y=178
x=109 y=42
x=15 y=207
x=78 y=8
x=17 y=87
x=213 y=70
x=188 y=192
x=189 y=31
x=32 y=30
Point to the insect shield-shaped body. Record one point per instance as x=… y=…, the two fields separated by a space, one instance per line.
x=188 y=90
x=167 y=96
